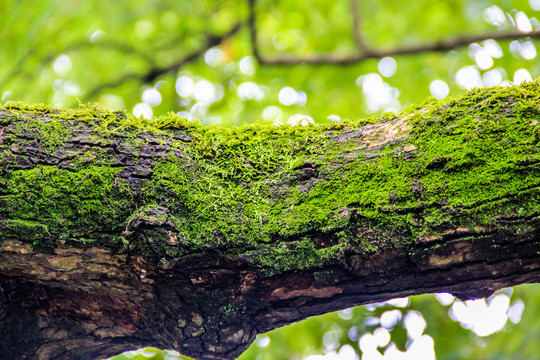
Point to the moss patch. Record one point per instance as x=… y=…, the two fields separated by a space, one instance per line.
x=283 y=198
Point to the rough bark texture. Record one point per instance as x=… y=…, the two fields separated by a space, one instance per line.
x=118 y=233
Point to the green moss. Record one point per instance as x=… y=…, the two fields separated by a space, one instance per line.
x=27 y=230
x=81 y=206
x=50 y=134
x=266 y=194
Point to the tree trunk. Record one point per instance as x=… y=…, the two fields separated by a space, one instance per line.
x=118 y=233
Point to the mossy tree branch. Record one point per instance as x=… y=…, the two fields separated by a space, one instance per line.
x=118 y=232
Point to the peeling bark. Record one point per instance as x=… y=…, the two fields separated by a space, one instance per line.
x=145 y=260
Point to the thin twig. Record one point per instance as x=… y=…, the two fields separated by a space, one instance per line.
x=253 y=31
x=356 y=25
x=113 y=45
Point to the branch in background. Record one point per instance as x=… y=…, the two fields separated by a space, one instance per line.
x=213 y=285
x=367 y=53
x=113 y=45
x=356 y=25
x=253 y=31
x=154 y=72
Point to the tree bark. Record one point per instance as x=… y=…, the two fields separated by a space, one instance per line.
x=118 y=233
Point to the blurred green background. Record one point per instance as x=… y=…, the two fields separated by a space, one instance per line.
x=196 y=58
x=502 y=327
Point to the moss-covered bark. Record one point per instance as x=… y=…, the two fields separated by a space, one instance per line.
x=198 y=238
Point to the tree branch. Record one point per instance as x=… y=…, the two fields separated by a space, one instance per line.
x=112 y=45
x=154 y=72
x=356 y=25
x=110 y=225
x=369 y=53
x=253 y=31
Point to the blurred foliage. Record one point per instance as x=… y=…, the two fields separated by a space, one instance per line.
x=343 y=334
x=106 y=52
x=329 y=333
x=64 y=52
